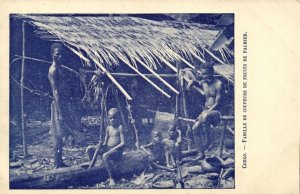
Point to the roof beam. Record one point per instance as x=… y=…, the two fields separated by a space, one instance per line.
x=157 y=76
x=174 y=69
x=213 y=56
x=168 y=64
x=185 y=61
x=79 y=55
x=146 y=78
x=112 y=79
x=197 y=57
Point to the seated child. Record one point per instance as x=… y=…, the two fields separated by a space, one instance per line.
x=173 y=146
x=155 y=151
x=112 y=147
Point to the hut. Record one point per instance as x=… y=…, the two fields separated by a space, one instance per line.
x=135 y=47
x=122 y=46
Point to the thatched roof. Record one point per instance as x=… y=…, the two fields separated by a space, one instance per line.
x=107 y=39
x=226 y=71
x=128 y=40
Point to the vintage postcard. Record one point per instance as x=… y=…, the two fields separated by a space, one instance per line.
x=150 y=97
x=98 y=86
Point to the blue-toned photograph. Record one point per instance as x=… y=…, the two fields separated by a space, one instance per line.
x=121 y=101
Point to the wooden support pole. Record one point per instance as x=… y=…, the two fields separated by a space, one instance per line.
x=24 y=140
x=90 y=71
x=147 y=79
x=168 y=64
x=178 y=95
x=185 y=61
x=79 y=55
x=174 y=69
x=145 y=74
x=120 y=110
x=221 y=145
x=157 y=76
x=197 y=57
x=186 y=115
x=103 y=101
x=214 y=56
x=113 y=79
x=125 y=74
x=93 y=161
x=132 y=120
x=230 y=130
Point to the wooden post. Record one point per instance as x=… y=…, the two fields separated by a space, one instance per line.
x=145 y=78
x=157 y=76
x=22 y=92
x=103 y=100
x=186 y=115
x=177 y=96
x=121 y=110
x=198 y=57
x=185 y=61
x=175 y=70
x=168 y=64
x=93 y=161
x=136 y=133
x=213 y=56
x=220 y=149
x=79 y=55
x=112 y=79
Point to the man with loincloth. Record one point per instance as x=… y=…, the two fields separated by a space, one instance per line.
x=113 y=145
x=60 y=107
x=210 y=115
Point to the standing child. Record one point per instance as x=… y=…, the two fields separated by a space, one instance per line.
x=173 y=146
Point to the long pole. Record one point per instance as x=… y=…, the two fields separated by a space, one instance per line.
x=113 y=79
x=120 y=110
x=22 y=92
x=157 y=76
x=93 y=161
x=185 y=112
x=185 y=61
x=214 y=56
x=177 y=96
x=136 y=133
x=145 y=78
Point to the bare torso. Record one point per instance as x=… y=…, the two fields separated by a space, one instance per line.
x=210 y=92
x=62 y=81
x=114 y=136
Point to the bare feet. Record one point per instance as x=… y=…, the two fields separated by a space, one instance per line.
x=111 y=182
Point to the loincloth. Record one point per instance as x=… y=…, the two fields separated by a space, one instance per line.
x=211 y=118
x=115 y=154
x=59 y=128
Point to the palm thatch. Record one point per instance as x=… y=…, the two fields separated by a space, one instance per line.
x=109 y=39
x=226 y=71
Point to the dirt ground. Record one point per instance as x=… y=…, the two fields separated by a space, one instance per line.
x=40 y=149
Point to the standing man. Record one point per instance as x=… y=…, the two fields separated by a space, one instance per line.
x=210 y=115
x=60 y=104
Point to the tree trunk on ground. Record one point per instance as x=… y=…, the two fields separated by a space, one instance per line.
x=131 y=163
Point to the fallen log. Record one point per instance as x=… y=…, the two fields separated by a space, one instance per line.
x=132 y=163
